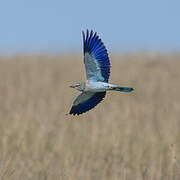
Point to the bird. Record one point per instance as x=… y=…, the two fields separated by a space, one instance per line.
x=97 y=66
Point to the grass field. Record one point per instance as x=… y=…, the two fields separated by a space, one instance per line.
x=132 y=136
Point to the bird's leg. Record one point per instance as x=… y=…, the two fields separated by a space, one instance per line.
x=110 y=88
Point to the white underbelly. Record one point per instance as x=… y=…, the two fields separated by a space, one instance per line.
x=96 y=86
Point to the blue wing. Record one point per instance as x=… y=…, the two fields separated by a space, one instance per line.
x=96 y=58
x=86 y=101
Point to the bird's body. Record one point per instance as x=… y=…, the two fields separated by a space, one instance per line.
x=97 y=66
x=96 y=86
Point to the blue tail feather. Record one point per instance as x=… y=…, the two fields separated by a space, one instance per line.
x=123 y=89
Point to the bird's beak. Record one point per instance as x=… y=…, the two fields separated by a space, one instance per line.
x=73 y=86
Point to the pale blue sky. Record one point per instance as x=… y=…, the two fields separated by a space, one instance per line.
x=56 y=25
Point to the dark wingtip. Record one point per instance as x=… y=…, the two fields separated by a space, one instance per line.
x=87 y=34
x=73 y=111
x=91 y=32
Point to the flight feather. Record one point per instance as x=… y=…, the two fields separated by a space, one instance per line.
x=86 y=101
x=96 y=58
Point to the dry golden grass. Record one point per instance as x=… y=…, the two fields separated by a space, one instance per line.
x=126 y=137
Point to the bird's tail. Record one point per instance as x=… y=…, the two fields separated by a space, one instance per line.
x=122 y=89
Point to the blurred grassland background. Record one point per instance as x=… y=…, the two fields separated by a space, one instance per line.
x=128 y=136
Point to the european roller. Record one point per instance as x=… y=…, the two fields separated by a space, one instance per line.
x=97 y=67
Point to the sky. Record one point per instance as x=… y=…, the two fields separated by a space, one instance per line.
x=56 y=25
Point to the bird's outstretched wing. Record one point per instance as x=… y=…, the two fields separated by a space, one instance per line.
x=96 y=58
x=86 y=101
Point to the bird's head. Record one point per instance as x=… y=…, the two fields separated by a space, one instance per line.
x=78 y=86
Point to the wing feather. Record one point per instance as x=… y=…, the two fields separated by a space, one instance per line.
x=96 y=58
x=86 y=101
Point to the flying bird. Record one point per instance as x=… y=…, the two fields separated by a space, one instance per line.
x=97 y=67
